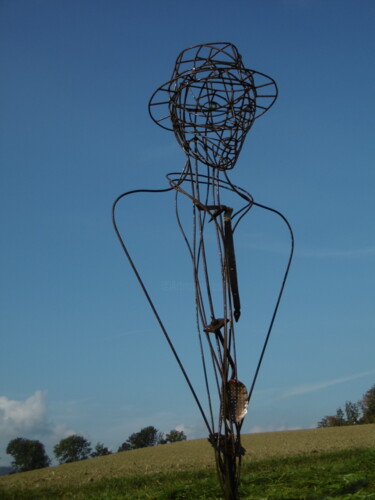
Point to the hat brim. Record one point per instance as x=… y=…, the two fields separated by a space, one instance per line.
x=263 y=86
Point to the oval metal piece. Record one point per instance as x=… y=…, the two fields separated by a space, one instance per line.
x=237 y=401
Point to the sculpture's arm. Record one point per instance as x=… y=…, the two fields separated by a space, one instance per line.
x=144 y=289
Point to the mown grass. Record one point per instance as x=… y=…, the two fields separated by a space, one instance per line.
x=344 y=475
x=285 y=465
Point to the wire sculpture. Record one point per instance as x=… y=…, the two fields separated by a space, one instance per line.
x=210 y=104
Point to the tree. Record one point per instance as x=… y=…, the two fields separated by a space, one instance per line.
x=148 y=436
x=362 y=412
x=328 y=421
x=368 y=406
x=353 y=412
x=174 y=435
x=100 y=451
x=125 y=447
x=333 y=420
x=27 y=454
x=72 y=449
x=340 y=419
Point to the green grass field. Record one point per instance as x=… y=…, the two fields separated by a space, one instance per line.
x=330 y=463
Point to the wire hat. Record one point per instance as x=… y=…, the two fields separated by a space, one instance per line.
x=211 y=102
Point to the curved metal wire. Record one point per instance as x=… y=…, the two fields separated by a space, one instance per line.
x=211 y=103
x=149 y=300
x=224 y=435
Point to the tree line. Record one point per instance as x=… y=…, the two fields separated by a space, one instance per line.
x=30 y=454
x=361 y=412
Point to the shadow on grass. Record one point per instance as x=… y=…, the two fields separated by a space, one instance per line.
x=342 y=475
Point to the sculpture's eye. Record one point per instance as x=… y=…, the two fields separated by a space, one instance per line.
x=210 y=108
x=213 y=105
x=208 y=104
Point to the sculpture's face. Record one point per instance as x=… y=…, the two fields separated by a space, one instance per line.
x=211 y=102
x=211 y=113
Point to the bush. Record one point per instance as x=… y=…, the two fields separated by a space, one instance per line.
x=72 y=449
x=27 y=454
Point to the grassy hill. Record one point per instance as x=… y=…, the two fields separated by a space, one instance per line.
x=188 y=461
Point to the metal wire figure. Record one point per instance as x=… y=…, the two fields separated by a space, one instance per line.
x=210 y=104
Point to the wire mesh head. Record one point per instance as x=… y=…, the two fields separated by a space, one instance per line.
x=211 y=102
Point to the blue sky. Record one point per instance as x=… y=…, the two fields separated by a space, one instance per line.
x=80 y=351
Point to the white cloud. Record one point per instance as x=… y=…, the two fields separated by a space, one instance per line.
x=263 y=242
x=306 y=388
x=190 y=432
x=346 y=253
x=29 y=419
x=181 y=427
x=23 y=417
x=195 y=431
